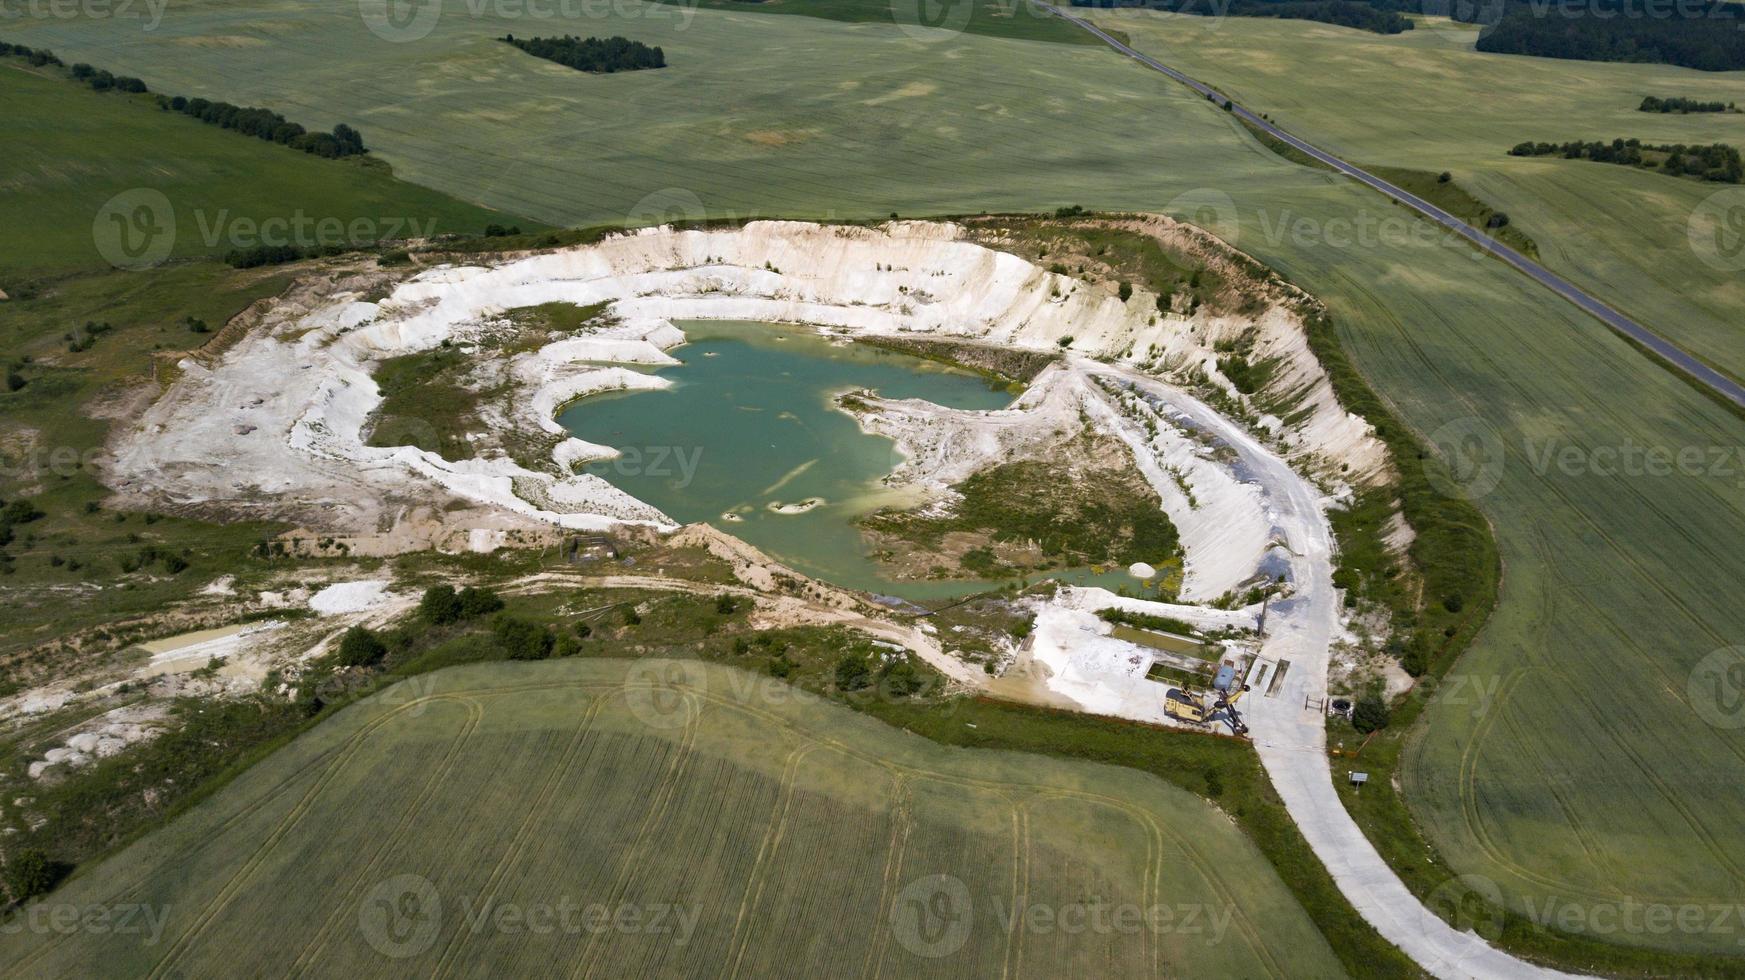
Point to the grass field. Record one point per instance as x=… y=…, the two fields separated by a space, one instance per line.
x=1426 y=100
x=1566 y=758
x=794 y=837
x=72 y=150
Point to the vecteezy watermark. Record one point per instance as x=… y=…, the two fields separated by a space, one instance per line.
x=135 y=229
x=150 y=11
x=1628 y=916
x=69 y=919
x=1362 y=230
x=665 y=694
x=667 y=206
x=1209 y=209
x=138 y=229
x=1475 y=692
x=1716 y=688
x=1716 y=230
x=935 y=915
x=1470 y=903
x=403 y=916
x=1471 y=458
x=399 y=21
x=655 y=461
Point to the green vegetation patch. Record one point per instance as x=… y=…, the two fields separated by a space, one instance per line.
x=1009 y=366
x=427 y=403
x=601 y=56
x=1442 y=190
x=1718 y=162
x=1088 y=506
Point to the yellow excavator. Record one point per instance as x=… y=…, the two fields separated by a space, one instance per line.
x=1184 y=706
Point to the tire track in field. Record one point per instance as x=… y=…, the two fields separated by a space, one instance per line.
x=772 y=841
x=524 y=832
x=901 y=802
x=286 y=824
x=128 y=890
x=662 y=799
x=438 y=777
x=1013 y=963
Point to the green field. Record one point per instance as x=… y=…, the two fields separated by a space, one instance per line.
x=71 y=150
x=1566 y=759
x=796 y=838
x=1427 y=100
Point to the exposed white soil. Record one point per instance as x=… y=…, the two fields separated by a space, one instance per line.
x=349 y=597
x=277 y=426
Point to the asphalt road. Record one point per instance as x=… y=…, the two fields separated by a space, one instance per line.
x=1660 y=346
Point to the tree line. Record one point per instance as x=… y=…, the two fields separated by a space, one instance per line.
x=1378 y=16
x=1683 y=106
x=603 y=55
x=1704 y=34
x=343 y=141
x=1717 y=161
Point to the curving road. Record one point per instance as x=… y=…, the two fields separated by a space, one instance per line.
x=1291 y=737
x=1660 y=346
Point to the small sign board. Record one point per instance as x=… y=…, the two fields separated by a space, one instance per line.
x=1359 y=778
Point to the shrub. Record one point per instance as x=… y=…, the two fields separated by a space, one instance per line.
x=361 y=648
x=523 y=639
x=440 y=605
x=725 y=604
x=853 y=672
x=479 y=602
x=28 y=874
x=1370 y=714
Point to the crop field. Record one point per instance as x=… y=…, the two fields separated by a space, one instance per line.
x=76 y=149
x=1427 y=100
x=1575 y=754
x=690 y=821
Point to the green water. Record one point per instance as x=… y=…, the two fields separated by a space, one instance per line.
x=750 y=422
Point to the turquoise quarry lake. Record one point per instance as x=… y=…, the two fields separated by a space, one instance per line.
x=750 y=425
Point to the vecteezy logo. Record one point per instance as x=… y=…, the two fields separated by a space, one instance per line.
x=135 y=229
x=400 y=917
x=932 y=20
x=1210 y=209
x=668 y=206
x=1473 y=454
x=400 y=20
x=1716 y=230
x=1717 y=688
x=665 y=693
x=931 y=916
x=1470 y=903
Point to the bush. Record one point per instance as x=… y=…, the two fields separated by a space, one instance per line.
x=901 y=679
x=361 y=648
x=853 y=672
x=523 y=639
x=28 y=874
x=725 y=604
x=479 y=602
x=440 y=605
x=1371 y=714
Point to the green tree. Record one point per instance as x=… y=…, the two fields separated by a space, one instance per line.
x=361 y=648
x=523 y=639
x=440 y=605
x=1370 y=714
x=479 y=602
x=853 y=672
x=28 y=874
